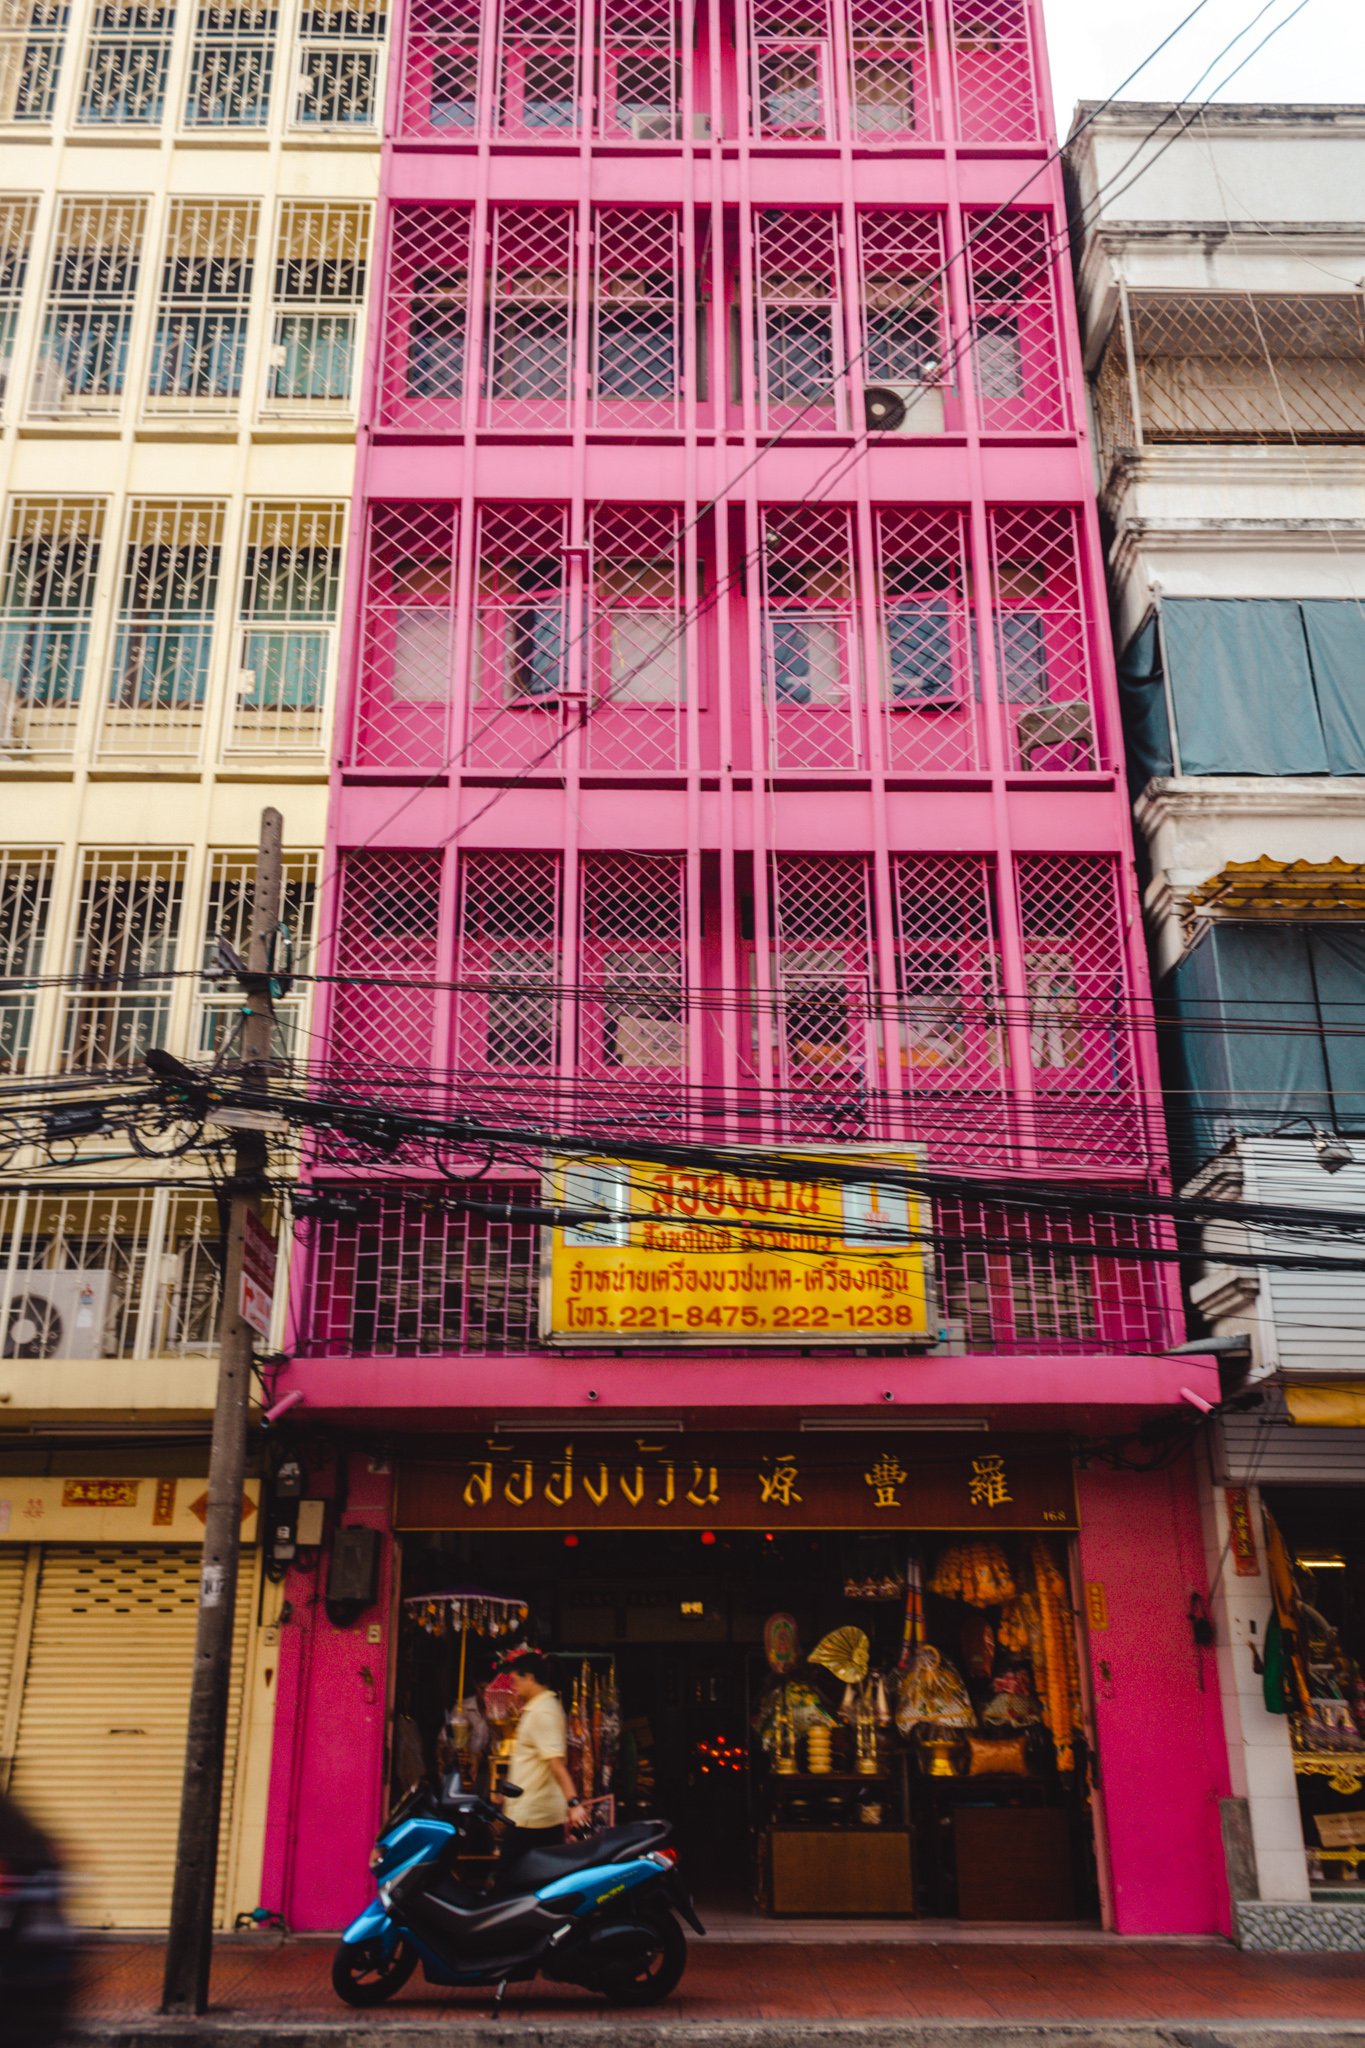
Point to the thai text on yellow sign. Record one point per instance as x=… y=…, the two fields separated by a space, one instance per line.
x=660 y=1255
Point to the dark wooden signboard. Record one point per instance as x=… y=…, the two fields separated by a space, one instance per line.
x=866 y=1481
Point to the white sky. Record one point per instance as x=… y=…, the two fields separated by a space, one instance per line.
x=1095 y=43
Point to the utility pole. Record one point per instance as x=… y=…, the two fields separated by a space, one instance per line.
x=189 y=1948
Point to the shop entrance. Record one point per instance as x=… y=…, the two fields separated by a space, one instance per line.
x=934 y=1786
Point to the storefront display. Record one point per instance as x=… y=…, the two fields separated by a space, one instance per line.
x=874 y=1718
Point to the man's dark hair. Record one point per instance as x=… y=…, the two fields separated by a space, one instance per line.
x=536 y=1664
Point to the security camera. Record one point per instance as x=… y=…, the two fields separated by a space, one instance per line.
x=592 y=1393
x=888 y=1395
x=293 y=1399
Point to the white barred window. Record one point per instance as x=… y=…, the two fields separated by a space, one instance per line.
x=128 y=913
x=126 y=61
x=317 y=298
x=25 y=901
x=82 y=364
x=231 y=881
x=32 y=37
x=291 y=576
x=47 y=598
x=232 y=64
x=199 y=344
x=16 y=242
x=163 y=640
x=340 y=46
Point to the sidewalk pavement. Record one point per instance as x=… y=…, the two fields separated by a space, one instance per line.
x=1086 y=1991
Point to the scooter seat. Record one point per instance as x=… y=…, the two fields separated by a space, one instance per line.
x=611 y=1845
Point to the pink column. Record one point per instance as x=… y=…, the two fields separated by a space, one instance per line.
x=1162 y=1761
x=327 y=1776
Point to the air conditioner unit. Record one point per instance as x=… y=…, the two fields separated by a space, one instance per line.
x=58 y=1315
x=652 y=124
x=903 y=408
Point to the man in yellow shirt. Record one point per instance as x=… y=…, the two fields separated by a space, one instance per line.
x=548 y=1797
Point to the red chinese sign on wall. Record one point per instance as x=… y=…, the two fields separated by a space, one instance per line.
x=740 y=1482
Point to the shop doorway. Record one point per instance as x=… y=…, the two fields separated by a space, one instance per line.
x=807 y=1793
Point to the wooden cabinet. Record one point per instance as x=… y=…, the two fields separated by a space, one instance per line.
x=1013 y=1863
x=857 y=1871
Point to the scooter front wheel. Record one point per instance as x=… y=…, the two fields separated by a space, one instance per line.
x=363 y=1975
x=662 y=1960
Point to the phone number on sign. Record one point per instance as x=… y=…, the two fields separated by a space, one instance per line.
x=881 y=1315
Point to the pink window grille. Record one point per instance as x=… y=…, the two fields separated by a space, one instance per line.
x=415 y=1274
x=639 y=56
x=810 y=657
x=440 y=96
x=1079 y=1011
x=825 y=1038
x=995 y=73
x=508 y=1001
x=637 y=639
x=893 y=84
x=386 y=951
x=524 y=659
x=951 y=1016
x=1015 y=344
x=1050 y=1281
x=407 y=637
x=529 y=330
x=424 y=373
x=637 y=366
x=539 y=70
x=632 y=1019
x=929 y=683
x=904 y=339
x=1042 y=639
x=799 y=311
x=792 y=75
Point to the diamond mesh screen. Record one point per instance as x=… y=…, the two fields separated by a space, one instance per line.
x=523 y=658
x=529 y=330
x=928 y=683
x=811 y=670
x=1048 y=1281
x=953 y=1049
x=823 y=979
x=1042 y=640
x=424 y=371
x=893 y=92
x=632 y=1016
x=994 y=76
x=903 y=339
x=637 y=303
x=507 y=1023
x=387 y=931
x=1015 y=346
x=799 y=309
x=792 y=69
x=639 y=652
x=407 y=637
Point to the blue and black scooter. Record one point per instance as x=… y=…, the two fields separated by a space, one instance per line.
x=602 y=1912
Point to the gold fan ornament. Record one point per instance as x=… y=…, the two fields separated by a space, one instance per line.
x=845 y=1652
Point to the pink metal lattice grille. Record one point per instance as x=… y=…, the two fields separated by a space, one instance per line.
x=439 y=97
x=903 y=339
x=529 y=324
x=639 y=61
x=412 y=1276
x=1014 y=349
x=893 y=87
x=424 y=372
x=793 y=76
x=387 y=935
x=632 y=1016
x=407 y=637
x=638 y=648
x=1050 y=1282
x=1079 y=1011
x=928 y=672
x=524 y=658
x=508 y=1030
x=1042 y=640
x=539 y=69
x=810 y=655
x=800 y=339
x=950 y=1014
x=994 y=71
x=637 y=368
x=823 y=980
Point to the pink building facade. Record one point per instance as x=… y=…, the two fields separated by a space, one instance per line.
x=730 y=754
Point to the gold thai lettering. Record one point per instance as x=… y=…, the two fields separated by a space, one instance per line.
x=478 y=1488
x=559 y=1485
x=520 y=1496
x=634 y=1490
x=597 y=1490
x=666 y=1498
x=704 y=1492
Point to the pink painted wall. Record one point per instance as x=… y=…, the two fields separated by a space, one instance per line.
x=1162 y=1757
x=326 y=1787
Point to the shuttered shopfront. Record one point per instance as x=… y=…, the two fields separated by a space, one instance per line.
x=96 y=1652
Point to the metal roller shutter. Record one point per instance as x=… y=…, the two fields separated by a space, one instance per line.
x=13 y=1558
x=101 y=1741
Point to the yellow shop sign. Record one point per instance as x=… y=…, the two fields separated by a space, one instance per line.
x=650 y=1254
